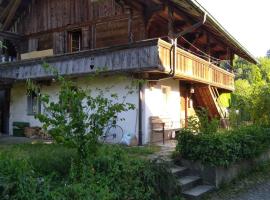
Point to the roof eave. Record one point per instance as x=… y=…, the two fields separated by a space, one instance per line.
x=214 y=22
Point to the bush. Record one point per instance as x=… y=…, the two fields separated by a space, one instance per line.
x=201 y=123
x=225 y=148
x=113 y=174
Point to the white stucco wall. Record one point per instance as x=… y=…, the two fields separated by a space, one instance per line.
x=154 y=104
x=18 y=107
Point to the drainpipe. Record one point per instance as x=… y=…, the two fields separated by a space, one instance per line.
x=174 y=46
x=171 y=73
x=140 y=114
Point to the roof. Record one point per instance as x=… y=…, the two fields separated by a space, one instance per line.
x=214 y=24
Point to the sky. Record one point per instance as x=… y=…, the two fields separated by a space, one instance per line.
x=247 y=20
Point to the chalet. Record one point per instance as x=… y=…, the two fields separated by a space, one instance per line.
x=184 y=55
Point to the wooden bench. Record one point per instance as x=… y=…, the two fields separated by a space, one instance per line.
x=162 y=125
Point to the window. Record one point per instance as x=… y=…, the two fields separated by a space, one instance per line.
x=165 y=98
x=75 y=40
x=33 y=103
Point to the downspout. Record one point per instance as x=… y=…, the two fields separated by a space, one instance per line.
x=140 y=142
x=174 y=43
x=174 y=47
x=171 y=73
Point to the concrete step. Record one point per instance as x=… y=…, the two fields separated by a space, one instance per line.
x=179 y=171
x=165 y=159
x=198 y=192
x=188 y=182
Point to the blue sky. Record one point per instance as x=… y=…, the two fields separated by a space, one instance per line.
x=247 y=20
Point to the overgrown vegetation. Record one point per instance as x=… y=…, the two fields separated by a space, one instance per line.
x=78 y=166
x=201 y=123
x=251 y=100
x=41 y=171
x=224 y=148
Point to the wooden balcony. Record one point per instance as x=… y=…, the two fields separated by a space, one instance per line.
x=193 y=68
x=149 y=56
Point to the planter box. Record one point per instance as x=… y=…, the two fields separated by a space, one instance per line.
x=218 y=175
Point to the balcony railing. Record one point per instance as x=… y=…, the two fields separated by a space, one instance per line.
x=150 y=56
x=191 y=67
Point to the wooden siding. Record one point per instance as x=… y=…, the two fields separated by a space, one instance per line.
x=52 y=14
x=193 y=68
x=103 y=23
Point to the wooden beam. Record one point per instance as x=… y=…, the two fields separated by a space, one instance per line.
x=10 y=36
x=130 y=21
x=149 y=12
x=12 y=13
x=4 y=14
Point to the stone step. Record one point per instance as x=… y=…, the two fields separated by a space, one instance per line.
x=179 y=171
x=188 y=182
x=198 y=192
x=165 y=159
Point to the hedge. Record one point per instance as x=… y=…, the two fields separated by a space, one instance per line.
x=223 y=149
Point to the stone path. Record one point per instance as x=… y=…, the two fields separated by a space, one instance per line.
x=165 y=150
x=257 y=192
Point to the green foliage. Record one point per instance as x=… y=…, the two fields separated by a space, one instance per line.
x=252 y=95
x=225 y=148
x=201 y=123
x=224 y=99
x=113 y=175
x=2 y=46
x=261 y=105
x=79 y=116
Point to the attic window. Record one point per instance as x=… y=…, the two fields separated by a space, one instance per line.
x=75 y=40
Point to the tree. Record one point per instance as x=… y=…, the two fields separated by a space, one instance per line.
x=252 y=91
x=268 y=54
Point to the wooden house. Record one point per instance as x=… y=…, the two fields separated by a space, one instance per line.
x=175 y=45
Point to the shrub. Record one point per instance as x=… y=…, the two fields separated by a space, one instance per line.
x=225 y=148
x=201 y=123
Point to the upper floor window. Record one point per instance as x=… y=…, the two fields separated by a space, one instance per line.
x=75 y=40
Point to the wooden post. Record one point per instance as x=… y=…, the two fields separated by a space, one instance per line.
x=130 y=20
x=85 y=38
x=186 y=109
x=1 y=49
x=163 y=131
x=93 y=41
x=208 y=47
x=171 y=32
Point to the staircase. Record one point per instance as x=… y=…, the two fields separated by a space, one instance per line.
x=192 y=186
x=207 y=97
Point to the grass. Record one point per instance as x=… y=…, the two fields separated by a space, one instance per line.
x=47 y=172
x=244 y=182
x=142 y=151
